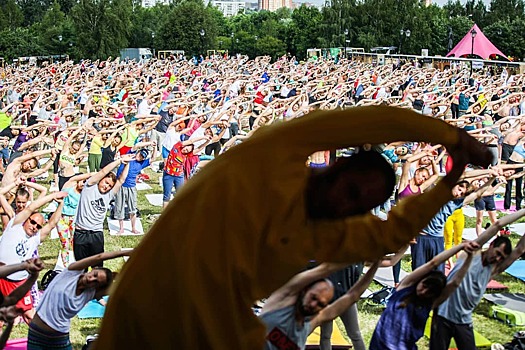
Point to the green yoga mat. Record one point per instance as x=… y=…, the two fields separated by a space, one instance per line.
x=481 y=341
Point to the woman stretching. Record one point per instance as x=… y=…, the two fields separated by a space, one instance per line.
x=403 y=321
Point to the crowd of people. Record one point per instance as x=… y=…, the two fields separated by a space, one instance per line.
x=338 y=162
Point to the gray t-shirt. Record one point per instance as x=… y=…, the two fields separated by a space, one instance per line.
x=92 y=208
x=60 y=303
x=283 y=330
x=459 y=306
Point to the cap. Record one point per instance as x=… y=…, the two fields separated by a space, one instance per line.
x=144 y=153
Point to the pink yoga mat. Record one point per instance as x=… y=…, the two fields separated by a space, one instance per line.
x=499 y=206
x=16 y=344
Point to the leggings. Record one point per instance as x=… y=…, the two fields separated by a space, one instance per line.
x=351 y=322
x=65 y=232
x=454 y=108
x=454 y=228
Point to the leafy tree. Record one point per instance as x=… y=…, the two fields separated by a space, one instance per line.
x=183 y=26
x=11 y=16
x=102 y=26
x=271 y=46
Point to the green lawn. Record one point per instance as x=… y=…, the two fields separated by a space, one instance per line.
x=368 y=315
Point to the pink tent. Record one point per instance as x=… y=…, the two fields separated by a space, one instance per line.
x=482 y=46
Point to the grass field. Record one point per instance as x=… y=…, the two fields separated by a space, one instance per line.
x=368 y=315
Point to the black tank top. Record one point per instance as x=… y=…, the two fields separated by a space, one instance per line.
x=108 y=156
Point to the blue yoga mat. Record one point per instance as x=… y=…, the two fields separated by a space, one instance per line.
x=517 y=269
x=93 y=309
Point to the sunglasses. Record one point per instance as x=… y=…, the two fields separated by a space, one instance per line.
x=33 y=222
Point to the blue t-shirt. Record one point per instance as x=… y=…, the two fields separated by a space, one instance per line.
x=134 y=170
x=400 y=326
x=71 y=201
x=437 y=223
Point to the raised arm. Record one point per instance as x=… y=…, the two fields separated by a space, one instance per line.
x=514 y=255
x=351 y=296
x=96 y=259
x=33 y=266
x=103 y=172
x=294 y=286
x=122 y=177
x=33 y=207
x=421 y=271
x=456 y=280
x=53 y=221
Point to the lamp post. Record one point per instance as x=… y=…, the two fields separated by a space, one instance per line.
x=255 y=47
x=60 y=44
x=202 y=33
x=473 y=34
x=153 y=43
x=402 y=33
x=232 y=35
x=346 y=34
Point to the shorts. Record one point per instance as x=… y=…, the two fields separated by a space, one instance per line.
x=165 y=152
x=87 y=243
x=4 y=153
x=125 y=150
x=317 y=165
x=8 y=286
x=485 y=203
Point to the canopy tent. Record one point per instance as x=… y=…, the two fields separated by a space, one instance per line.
x=482 y=46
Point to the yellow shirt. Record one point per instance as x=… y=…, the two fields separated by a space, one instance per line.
x=192 y=280
x=96 y=145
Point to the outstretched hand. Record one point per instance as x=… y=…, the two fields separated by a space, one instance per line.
x=469 y=150
x=34 y=266
x=470 y=247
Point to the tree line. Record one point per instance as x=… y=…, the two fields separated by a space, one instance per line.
x=100 y=28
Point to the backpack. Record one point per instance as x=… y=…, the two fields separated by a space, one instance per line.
x=48 y=277
x=380 y=298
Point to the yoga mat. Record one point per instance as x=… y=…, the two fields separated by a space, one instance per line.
x=385 y=277
x=155 y=199
x=517 y=269
x=499 y=205
x=142 y=186
x=93 y=309
x=518 y=228
x=114 y=227
x=126 y=257
x=513 y=301
x=338 y=341
x=51 y=208
x=481 y=341
x=54 y=234
x=16 y=344
x=155 y=166
x=492 y=283
x=59 y=266
x=469 y=211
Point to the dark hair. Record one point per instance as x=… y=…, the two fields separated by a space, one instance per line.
x=363 y=163
x=109 y=276
x=22 y=191
x=435 y=280
x=112 y=176
x=503 y=240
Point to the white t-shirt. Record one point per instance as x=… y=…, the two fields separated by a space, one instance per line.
x=16 y=247
x=199 y=133
x=145 y=108
x=60 y=303
x=172 y=137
